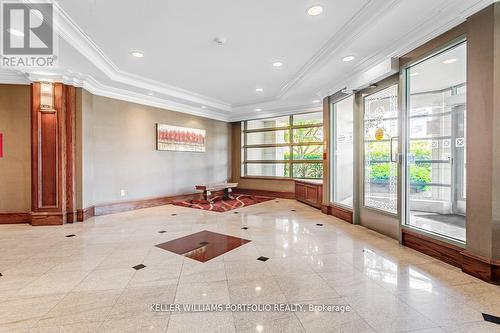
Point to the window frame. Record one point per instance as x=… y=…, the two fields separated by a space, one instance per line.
x=334 y=147
x=289 y=163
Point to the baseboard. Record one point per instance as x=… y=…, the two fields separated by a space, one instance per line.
x=480 y=267
x=15 y=217
x=339 y=212
x=265 y=193
x=124 y=206
x=41 y=219
x=443 y=251
x=84 y=214
x=483 y=268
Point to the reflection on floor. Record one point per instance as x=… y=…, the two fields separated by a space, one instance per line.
x=450 y=225
x=87 y=283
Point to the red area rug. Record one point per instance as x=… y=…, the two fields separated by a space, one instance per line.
x=220 y=205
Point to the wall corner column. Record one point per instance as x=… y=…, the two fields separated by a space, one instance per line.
x=52 y=154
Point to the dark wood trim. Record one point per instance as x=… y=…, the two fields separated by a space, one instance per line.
x=84 y=214
x=70 y=125
x=481 y=267
x=123 y=206
x=446 y=252
x=35 y=106
x=48 y=155
x=265 y=193
x=432 y=45
x=47 y=218
x=15 y=217
x=478 y=266
x=339 y=212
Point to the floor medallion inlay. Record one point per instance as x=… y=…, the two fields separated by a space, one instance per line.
x=203 y=245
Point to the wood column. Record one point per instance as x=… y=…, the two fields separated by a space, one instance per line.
x=69 y=94
x=52 y=156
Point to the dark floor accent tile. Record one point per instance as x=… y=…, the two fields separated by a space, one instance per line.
x=319 y=224
x=1 y=274
x=161 y=231
x=236 y=212
x=72 y=235
x=263 y=258
x=293 y=210
x=138 y=267
x=491 y=318
x=173 y=214
x=245 y=228
x=203 y=245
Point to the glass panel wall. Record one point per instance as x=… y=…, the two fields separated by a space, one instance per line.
x=290 y=146
x=380 y=150
x=435 y=163
x=342 y=156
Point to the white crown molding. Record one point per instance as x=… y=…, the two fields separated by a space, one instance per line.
x=349 y=32
x=78 y=39
x=447 y=15
x=414 y=38
x=95 y=87
x=12 y=77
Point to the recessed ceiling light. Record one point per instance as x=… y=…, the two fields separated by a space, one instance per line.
x=449 y=61
x=414 y=74
x=258 y=110
x=220 y=41
x=316 y=101
x=348 y=58
x=315 y=10
x=150 y=94
x=137 y=54
x=203 y=107
x=259 y=89
x=16 y=32
x=277 y=64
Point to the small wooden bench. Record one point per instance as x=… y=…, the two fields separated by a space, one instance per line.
x=208 y=189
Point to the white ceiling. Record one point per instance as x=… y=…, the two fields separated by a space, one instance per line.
x=185 y=69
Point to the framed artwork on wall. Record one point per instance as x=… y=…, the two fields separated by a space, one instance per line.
x=175 y=138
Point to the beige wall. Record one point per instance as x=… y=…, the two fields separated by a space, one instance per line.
x=15 y=166
x=480 y=132
x=280 y=185
x=118 y=152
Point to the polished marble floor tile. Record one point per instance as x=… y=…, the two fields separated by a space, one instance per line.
x=87 y=283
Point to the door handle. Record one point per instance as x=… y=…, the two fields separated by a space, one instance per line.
x=395 y=160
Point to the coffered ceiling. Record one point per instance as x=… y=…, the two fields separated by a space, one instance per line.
x=184 y=69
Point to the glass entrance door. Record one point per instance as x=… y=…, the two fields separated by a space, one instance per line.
x=380 y=158
x=435 y=143
x=380 y=150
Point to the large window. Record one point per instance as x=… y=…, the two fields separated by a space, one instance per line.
x=288 y=146
x=435 y=167
x=342 y=161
